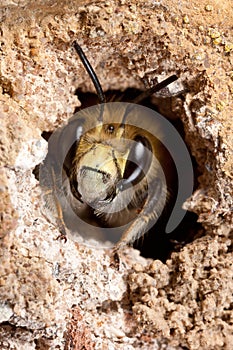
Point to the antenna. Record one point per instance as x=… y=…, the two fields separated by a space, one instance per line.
x=155 y=88
x=91 y=72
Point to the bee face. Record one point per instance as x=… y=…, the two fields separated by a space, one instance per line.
x=111 y=164
x=104 y=160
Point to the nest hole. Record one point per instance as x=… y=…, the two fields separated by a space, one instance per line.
x=156 y=243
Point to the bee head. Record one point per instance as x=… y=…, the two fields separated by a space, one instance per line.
x=107 y=163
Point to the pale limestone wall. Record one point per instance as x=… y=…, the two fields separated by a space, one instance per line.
x=51 y=292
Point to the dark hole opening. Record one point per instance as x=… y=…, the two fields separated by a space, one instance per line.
x=155 y=243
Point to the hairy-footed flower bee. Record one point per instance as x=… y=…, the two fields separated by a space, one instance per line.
x=108 y=171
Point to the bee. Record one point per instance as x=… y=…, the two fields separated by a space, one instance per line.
x=105 y=172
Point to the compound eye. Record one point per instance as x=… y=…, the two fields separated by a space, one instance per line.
x=138 y=163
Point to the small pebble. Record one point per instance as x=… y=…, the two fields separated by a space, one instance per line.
x=228 y=47
x=186 y=19
x=209 y=8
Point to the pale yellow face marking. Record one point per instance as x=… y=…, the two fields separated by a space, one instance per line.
x=101 y=156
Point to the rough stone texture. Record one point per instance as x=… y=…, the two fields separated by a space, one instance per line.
x=66 y=296
x=190 y=299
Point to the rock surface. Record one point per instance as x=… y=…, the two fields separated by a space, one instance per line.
x=56 y=295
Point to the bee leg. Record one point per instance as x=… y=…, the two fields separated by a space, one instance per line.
x=135 y=231
x=51 y=191
x=52 y=206
x=59 y=218
x=60 y=223
x=151 y=210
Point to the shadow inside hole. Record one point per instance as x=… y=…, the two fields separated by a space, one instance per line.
x=157 y=244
